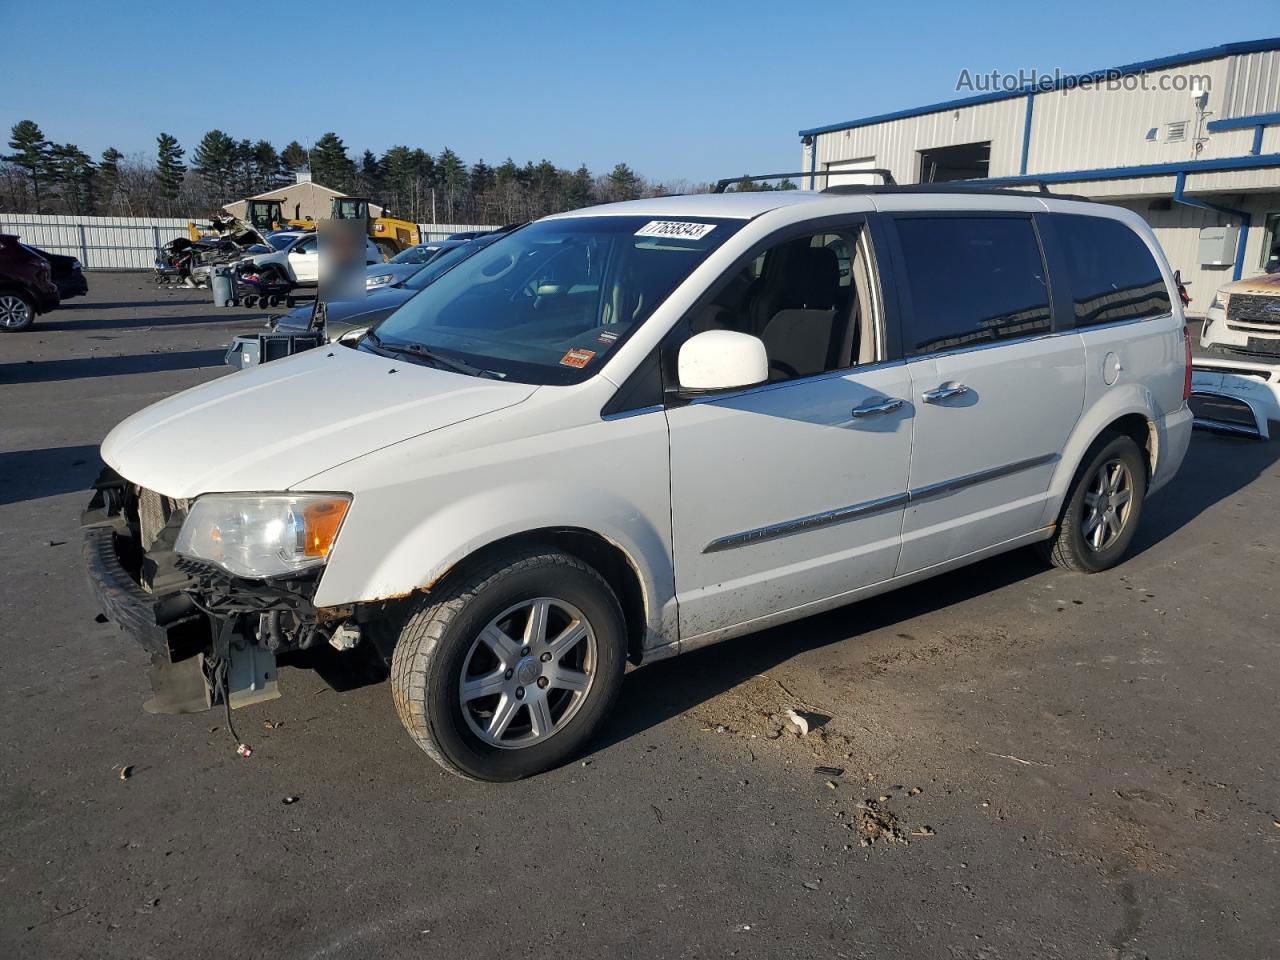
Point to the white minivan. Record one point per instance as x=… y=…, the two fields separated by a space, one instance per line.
x=633 y=430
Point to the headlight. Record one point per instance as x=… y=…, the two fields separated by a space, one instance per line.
x=1220 y=301
x=77 y=265
x=381 y=280
x=257 y=535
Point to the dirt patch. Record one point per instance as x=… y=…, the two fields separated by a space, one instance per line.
x=756 y=710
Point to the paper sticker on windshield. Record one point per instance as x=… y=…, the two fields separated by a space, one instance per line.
x=676 y=229
x=577 y=358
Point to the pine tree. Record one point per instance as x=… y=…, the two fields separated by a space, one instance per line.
x=451 y=174
x=578 y=188
x=294 y=157
x=330 y=164
x=371 y=174
x=623 y=183
x=71 y=173
x=482 y=178
x=268 y=167
x=169 y=169
x=109 y=178
x=214 y=160
x=31 y=153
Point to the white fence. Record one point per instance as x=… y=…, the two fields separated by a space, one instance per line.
x=130 y=243
x=100 y=243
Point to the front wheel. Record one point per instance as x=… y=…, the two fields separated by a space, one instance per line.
x=1103 y=507
x=509 y=671
x=16 y=312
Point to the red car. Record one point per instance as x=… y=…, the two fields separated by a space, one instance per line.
x=26 y=285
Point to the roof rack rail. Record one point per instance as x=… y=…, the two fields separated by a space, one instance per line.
x=986 y=188
x=884 y=175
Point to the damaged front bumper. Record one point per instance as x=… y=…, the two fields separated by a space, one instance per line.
x=203 y=629
x=1235 y=396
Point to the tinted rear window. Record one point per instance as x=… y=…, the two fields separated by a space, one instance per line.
x=973 y=280
x=1113 y=274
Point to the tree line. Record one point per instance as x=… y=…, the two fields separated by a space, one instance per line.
x=40 y=176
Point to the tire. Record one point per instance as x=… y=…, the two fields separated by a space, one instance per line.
x=441 y=639
x=1087 y=539
x=17 y=312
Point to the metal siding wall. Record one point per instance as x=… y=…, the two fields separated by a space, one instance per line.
x=1253 y=85
x=1088 y=129
x=896 y=144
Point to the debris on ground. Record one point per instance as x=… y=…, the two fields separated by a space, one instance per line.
x=272 y=724
x=244 y=750
x=831 y=784
x=915 y=791
x=925 y=831
x=801 y=724
x=126 y=772
x=876 y=824
x=829 y=771
x=810 y=885
x=100 y=618
x=288 y=800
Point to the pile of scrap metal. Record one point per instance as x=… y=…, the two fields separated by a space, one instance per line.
x=187 y=260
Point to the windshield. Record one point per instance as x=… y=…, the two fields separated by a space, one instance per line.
x=419 y=254
x=281 y=240
x=548 y=303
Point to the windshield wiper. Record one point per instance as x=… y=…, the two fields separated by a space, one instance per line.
x=444 y=363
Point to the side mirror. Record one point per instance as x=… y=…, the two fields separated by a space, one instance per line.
x=722 y=360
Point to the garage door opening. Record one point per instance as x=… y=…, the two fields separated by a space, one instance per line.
x=966 y=161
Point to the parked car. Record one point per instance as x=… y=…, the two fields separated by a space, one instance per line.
x=629 y=431
x=344 y=317
x=407 y=262
x=1244 y=319
x=26 y=285
x=66 y=272
x=300 y=255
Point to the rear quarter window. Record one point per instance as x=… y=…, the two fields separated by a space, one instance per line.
x=1113 y=275
x=972 y=280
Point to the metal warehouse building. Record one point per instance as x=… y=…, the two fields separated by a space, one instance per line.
x=1190 y=141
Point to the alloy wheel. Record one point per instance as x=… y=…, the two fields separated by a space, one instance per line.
x=527 y=673
x=1109 y=502
x=14 y=311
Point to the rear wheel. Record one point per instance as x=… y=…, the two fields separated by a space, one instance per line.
x=1103 y=507
x=16 y=311
x=508 y=671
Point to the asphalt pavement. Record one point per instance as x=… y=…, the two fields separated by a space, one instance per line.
x=1018 y=762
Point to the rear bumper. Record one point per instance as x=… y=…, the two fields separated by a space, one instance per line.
x=73 y=286
x=1173 y=437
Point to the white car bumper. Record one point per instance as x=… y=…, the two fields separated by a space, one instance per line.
x=1235 y=396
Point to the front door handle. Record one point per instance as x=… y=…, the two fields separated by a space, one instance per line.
x=876 y=406
x=945 y=392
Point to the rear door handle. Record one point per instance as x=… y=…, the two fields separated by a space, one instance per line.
x=876 y=406
x=945 y=392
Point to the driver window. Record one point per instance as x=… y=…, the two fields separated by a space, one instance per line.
x=808 y=299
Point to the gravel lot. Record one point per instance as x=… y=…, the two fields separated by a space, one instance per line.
x=1057 y=766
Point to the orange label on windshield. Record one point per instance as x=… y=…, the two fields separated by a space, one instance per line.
x=577 y=358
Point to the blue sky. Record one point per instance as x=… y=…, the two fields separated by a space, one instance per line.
x=693 y=90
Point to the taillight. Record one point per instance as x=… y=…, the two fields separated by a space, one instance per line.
x=1186 y=379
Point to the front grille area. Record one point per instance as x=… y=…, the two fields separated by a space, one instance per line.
x=1253 y=308
x=154 y=511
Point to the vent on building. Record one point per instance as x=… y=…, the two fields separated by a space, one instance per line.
x=1176 y=132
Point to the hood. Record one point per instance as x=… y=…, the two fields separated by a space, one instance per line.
x=273 y=426
x=343 y=316
x=1265 y=284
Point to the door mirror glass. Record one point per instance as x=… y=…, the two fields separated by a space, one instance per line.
x=722 y=360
